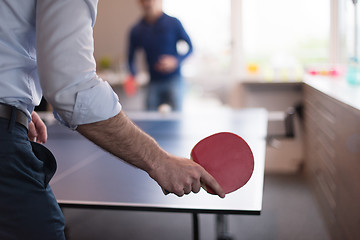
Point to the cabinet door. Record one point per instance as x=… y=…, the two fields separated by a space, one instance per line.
x=320 y=140
x=348 y=168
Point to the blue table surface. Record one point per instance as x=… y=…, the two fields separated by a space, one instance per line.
x=87 y=175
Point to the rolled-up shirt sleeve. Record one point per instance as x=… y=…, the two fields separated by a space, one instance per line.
x=66 y=65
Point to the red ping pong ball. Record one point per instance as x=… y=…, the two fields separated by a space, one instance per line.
x=227 y=157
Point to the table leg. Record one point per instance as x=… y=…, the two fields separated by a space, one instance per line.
x=195 y=218
x=222 y=228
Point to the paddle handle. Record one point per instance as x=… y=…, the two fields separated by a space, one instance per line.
x=166 y=192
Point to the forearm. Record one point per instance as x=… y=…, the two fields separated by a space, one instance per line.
x=131 y=65
x=131 y=55
x=119 y=136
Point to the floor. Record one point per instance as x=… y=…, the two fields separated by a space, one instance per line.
x=289 y=213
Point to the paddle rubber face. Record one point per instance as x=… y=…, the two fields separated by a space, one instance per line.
x=227 y=157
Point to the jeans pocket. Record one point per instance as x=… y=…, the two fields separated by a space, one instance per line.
x=44 y=155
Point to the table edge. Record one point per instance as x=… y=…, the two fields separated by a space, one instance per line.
x=149 y=208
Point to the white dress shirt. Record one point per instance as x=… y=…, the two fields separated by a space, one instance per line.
x=46 y=46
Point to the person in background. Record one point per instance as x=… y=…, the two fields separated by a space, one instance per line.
x=158 y=35
x=46 y=48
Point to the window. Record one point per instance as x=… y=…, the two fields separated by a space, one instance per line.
x=351 y=24
x=276 y=33
x=286 y=33
x=208 y=24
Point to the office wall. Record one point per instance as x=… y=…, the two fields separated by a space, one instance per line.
x=114 y=19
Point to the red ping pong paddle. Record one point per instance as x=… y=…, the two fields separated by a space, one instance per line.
x=227 y=157
x=130 y=86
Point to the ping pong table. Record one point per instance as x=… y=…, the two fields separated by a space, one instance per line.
x=89 y=177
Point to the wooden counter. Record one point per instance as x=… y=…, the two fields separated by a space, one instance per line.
x=332 y=148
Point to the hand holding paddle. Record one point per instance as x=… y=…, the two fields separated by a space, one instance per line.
x=227 y=164
x=181 y=176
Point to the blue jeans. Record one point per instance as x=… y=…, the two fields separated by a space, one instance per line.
x=169 y=91
x=28 y=208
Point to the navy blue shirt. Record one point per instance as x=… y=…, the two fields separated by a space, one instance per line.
x=157 y=39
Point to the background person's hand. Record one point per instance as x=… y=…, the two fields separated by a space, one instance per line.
x=37 y=129
x=130 y=86
x=166 y=64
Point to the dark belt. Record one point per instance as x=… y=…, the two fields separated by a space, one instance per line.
x=6 y=112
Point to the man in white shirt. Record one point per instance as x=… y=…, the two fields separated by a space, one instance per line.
x=46 y=48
